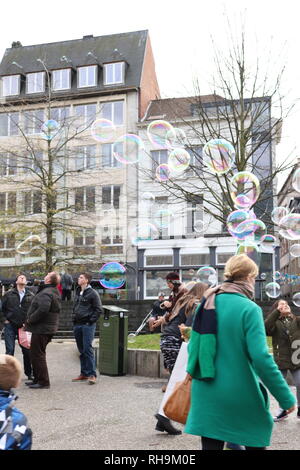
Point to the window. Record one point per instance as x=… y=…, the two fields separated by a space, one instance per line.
x=85 y=157
x=158 y=157
x=9 y=124
x=7 y=242
x=60 y=115
x=155 y=282
x=32 y=202
x=85 y=242
x=8 y=203
x=196 y=161
x=35 y=82
x=86 y=115
x=8 y=165
x=85 y=199
x=111 y=197
x=113 y=110
x=61 y=79
x=114 y=73
x=34 y=121
x=159 y=260
x=108 y=159
x=11 y=85
x=222 y=258
x=195 y=259
x=194 y=222
x=87 y=76
x=111 y=240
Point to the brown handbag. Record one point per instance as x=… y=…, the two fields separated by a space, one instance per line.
x=178 y=404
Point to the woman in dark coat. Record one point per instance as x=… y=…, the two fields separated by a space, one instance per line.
x=42 y=321
x=284 y=328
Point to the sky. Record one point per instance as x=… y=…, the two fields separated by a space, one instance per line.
x=181 y=34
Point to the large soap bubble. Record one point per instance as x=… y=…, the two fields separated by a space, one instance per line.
x=244 y=189
x=161 y=133
x=29 y=244
x=163 y=172
x=250 y=249
x=208 y=275
x=103 y=130
x=143 y=232
x=291 y=223
x=268 y=243
x=234 y=219
x=179 y=160
x=218 y=156
x=128 y=149
x=176 y=137
x=272 y=290
x=250 y=227
x=112 y=275
x=278 y=213
x=50 y=128
x=295 y=250
x=296 y=299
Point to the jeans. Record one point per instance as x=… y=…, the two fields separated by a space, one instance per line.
x=10 y=336
x=84 y=335
x=66 y=294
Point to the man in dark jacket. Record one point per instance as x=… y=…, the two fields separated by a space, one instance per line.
x=66 y=284
x=86 y=311
x=15 y=305
x=42 y=321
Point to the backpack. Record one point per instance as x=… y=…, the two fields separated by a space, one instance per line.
x=14 y=436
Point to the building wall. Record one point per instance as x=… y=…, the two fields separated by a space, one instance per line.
x=149 y=84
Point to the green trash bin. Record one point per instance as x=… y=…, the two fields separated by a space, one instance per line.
x=113 y=334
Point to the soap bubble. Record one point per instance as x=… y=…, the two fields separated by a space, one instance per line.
x=268 y=243
x=163 y=172
x=285 y=234
x=112 y=275
x=29 y=244
x=143 y=232
x=263 y=276
x=161 y=133
x=176 y=137
x=277 y=276
x=128 y=149
x=278 y=213
x=162 y=218
x=147 y=197
x=296 y=299
x=189 y=285
x=199 y=226
x=296 y=180
x=50 y=128
x=103 y=131
x=208 y=275
x=131 y=338
x=272 y=290
x=245 y=189
x=249 y=227
x=291 y=223
x=218 y=156
x=295 y=250
x=191 y=272
x=250 y=249
x=179 y=160
x=234 y=219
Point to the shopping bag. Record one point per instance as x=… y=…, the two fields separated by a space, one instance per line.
x=178 y=404
x=24 y=338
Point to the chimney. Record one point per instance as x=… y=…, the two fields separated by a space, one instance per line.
x=16 y=44
x=89 y=36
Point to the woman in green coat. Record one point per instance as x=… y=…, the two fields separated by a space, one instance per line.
x=229 y=362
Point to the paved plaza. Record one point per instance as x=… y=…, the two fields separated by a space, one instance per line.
x=115 y=414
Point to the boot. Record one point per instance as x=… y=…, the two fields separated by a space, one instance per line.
x=164 y=424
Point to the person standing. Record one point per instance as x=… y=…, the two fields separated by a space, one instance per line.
x=86 y=311
x=15 y=305
x=231 y=367
x=66 y=284
x=42 y=321
x=284 y=328
x=157 y=311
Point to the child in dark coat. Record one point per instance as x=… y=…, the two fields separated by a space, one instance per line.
x=14 y=432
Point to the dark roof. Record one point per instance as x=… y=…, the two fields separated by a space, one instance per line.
x=129 y=47
x=173 y=108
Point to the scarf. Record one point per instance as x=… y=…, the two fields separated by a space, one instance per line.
x=203 y=341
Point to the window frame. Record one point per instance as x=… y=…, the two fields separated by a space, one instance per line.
x=86 y=67
x=60 y=72
x=10 y=77
x=112 y=194
x=112 y=115
x=28 y=75
x=113 y=65
x=85 y=202
x=88 y=157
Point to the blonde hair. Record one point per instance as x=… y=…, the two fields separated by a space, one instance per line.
x=10 y=372
x=240 y=267
x=188 y=300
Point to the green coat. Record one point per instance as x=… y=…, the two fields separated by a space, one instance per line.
x=234 y=406
x=283 y=337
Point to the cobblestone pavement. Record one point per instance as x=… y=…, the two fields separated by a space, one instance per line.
x=115 y=414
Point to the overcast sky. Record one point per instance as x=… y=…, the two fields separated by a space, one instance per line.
x=180 y=33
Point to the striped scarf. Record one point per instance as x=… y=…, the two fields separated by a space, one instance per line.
x=203 y=341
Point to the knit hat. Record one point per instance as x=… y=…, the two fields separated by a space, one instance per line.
x=172 y=277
